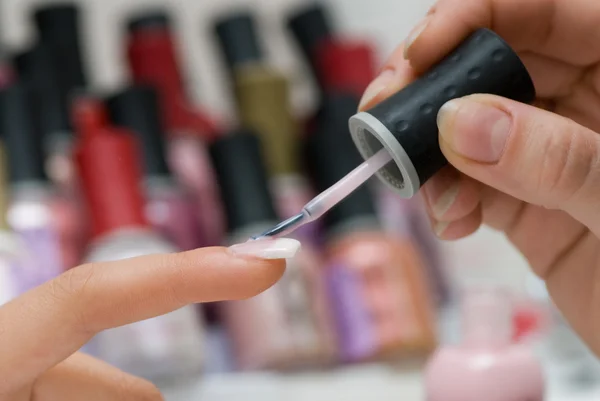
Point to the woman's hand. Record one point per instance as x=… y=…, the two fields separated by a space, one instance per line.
x=41 y=331
x=532 y=173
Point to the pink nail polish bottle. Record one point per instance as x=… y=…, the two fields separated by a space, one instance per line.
x=161 y=348
x=169 y=208
x=153 y=60
x=486 y=365
x=281 y=328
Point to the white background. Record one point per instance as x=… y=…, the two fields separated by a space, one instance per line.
x=386 y=22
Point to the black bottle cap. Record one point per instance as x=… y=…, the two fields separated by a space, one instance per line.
x=137 y=109
x=21 y=135
x=331 y=155
x=405 y=124
x=238 y=39
x=243 y=181
x=310 y=26
x=37 y=68
x=156 y=19
x=58 y=26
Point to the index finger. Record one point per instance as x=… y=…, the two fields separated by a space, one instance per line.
x=51 y=322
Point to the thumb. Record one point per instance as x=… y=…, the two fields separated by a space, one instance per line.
x=531 y=154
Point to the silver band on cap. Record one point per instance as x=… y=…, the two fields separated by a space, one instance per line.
x=369 y=136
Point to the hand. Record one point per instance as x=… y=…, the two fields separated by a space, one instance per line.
x=41 y=331
x=533 y=174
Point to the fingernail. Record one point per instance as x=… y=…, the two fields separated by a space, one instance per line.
x=441 y=199
x=474 y=130
x=283 y=248
x=377 y=86
x=440 y=227
x=414 y=34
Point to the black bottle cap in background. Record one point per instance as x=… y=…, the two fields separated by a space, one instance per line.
x=405 y=123
x=238 y=39
x=331 y=155
x=58 y=25
x=137 y=109
x=243 y=181
x=310 y=26
x=155 y=19
x=21 y=136
x=37 y=68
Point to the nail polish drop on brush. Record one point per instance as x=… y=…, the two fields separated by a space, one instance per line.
x=152 y=58
x=169 y=208
x=161 y=348
x=487 y=365
x=280 y=328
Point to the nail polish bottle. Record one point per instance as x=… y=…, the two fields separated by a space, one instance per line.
x=378 y=293
x=162 y=348
x=152 y=57
x=38 y=70
x=10 y=248
x=486 y=365
x=280 y=328
x=168 y=207
x=33 y=211
x=263 y=103
x=338 y=63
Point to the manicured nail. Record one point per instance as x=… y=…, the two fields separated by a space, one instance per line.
x=440 y=228
x=414 y=34
x=377 y=86
x=283 y=248
x=474 y=130
x=441 y=199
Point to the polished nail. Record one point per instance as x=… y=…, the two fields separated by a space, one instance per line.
x=440 y=228
x=282 y=248
x=442 y=199
x=414 y=35
x=385 y=79
x=474 y=130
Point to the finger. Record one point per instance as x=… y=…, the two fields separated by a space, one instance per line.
x=459 y=228
x=533 y=155
x=81 y=377
x=68 y=311
x=552 y=28
x=450 y=196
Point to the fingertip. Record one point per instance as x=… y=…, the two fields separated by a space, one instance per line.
x=450 y=196
x=458 y=229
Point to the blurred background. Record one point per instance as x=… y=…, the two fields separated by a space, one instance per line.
x=132 y=127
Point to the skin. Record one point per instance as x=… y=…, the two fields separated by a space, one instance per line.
x=541 y=186
x=41 y=331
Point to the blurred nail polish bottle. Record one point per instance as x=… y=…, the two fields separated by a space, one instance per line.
x=32 y=211
x=168 y=207
x=278 y=329
x=263 y=103
x=38 y=70
x=161 y=348
x=338 y=63
x=378 y=294
x=56 y=67
x=486 y=365
x=152 y=58
x=11 y=250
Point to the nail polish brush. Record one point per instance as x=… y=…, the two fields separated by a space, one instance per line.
x=403 y=128
x=327 y=199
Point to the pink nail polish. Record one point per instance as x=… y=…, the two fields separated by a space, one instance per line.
x=153 y=59
x=165 y=347
x=487 y=365
x=284 y=327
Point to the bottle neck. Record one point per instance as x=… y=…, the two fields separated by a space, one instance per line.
x=487 y=318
